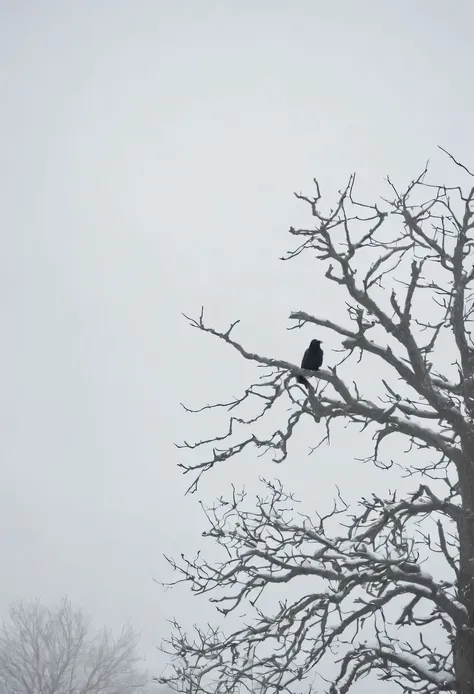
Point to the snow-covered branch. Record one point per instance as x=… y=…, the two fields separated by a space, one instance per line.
x=406 y=271
x=373 y=572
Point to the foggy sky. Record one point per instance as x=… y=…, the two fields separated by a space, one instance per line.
x=150 y=150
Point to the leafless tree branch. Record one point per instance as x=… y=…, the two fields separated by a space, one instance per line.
x=407 y=270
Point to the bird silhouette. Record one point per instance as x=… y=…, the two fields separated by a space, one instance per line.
x=312 y=360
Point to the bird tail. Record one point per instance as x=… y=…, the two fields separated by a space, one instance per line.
x=304 y=381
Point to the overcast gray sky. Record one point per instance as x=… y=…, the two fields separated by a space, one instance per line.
x=149 y=154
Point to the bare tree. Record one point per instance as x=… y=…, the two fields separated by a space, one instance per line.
x=51 y=651
x=405 y=267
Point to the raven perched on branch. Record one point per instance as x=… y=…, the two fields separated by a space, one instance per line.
x=312 y=360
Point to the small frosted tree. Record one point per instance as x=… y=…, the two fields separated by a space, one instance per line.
x=405 y=267
x=52 y=651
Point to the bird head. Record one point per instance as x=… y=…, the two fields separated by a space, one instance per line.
x=315 y=343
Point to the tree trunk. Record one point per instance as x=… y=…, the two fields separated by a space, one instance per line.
x=464 y=641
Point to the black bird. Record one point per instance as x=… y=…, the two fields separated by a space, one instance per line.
x=312 y=360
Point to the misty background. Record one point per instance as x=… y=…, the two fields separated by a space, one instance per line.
x=150 y=150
